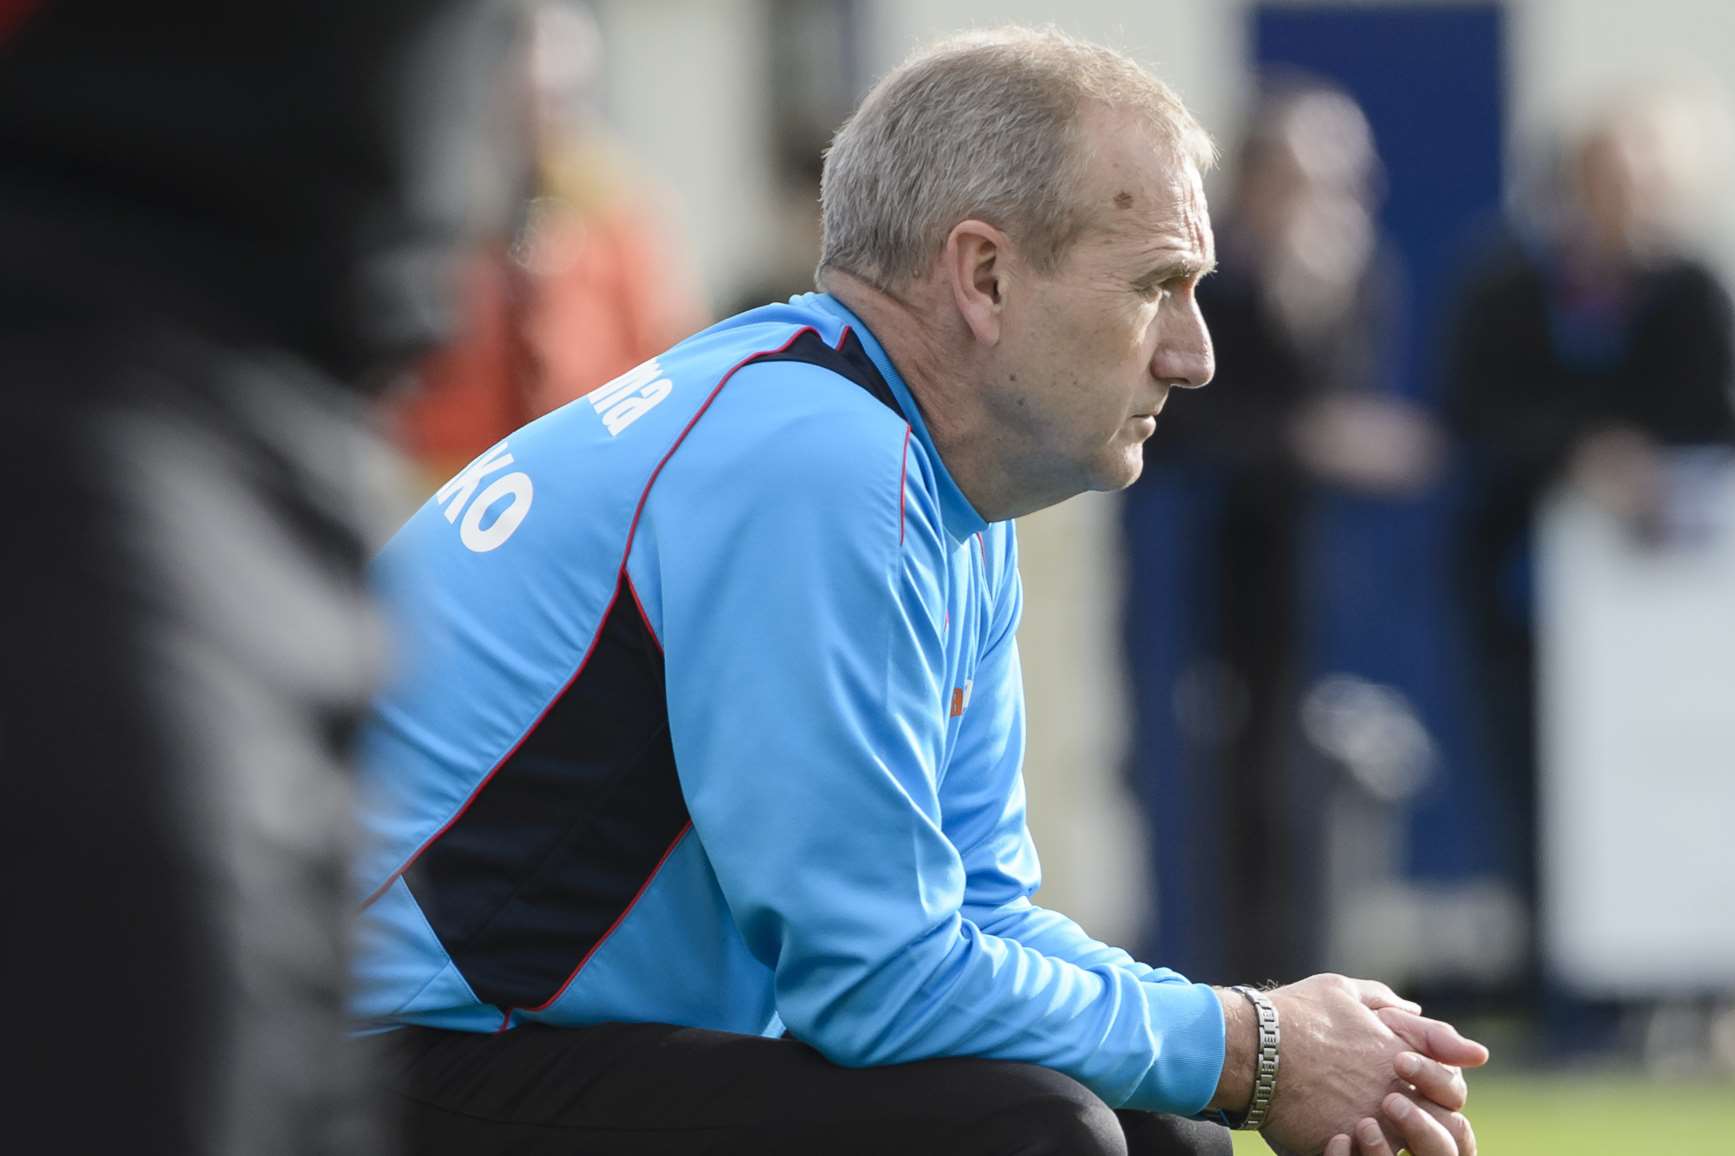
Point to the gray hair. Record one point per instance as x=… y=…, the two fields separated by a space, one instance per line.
x=986 y=125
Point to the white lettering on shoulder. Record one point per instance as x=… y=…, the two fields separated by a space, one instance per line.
x=630 y=396
x=514 y=489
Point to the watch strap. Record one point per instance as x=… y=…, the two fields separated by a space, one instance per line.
x=1265 y=1061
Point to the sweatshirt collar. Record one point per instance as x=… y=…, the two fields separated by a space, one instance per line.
x=960 y=517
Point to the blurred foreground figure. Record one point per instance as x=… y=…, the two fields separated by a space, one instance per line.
x=1581 y=346
x=1303 y=312
x=698 y=810
x=223 y=224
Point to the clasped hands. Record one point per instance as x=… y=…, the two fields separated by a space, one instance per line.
x=1363 y=1073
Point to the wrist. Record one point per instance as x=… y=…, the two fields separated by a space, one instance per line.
x=1265 y=1061
x=1240 y=1052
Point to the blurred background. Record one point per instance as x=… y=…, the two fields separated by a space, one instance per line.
x=1413 y=653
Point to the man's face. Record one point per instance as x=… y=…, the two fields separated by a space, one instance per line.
x=1092 y=348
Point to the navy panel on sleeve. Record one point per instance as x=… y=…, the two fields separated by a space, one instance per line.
x=534 y=874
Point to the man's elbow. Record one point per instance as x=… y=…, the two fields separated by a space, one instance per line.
x=883 y=1017
x=865 y=1013
x=848 y=1036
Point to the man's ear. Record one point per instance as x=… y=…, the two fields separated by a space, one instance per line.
x=975 y=266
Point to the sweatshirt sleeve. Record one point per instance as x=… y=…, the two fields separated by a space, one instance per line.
x=803 y=606
x=983 y=802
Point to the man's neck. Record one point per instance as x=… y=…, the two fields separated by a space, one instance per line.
x=929 y=361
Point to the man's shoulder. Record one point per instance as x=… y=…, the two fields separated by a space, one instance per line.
x=772 y=381
x=801 y=403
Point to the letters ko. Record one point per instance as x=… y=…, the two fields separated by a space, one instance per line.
x=514 y=489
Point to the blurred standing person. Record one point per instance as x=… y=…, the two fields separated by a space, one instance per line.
x=225 y=227
x=589 y=287
x=606 y=288
x=1582 y=344
x=1304 y=309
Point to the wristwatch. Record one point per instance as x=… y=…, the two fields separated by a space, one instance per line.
x=1265 y=1069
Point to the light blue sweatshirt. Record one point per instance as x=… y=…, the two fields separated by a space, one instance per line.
x=710 y=713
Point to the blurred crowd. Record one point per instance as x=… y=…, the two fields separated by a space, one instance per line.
x=1586 y=345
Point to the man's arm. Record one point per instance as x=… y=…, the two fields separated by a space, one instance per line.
x=1342 y=1037
x=803 y=620
x=982 y=800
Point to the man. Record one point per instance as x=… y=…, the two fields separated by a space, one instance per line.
x=1585 y=343
x=697 y=813
x=1302 y=408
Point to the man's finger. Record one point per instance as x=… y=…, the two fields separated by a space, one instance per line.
x=1338 y=1146
x=1376 y=995
x=1441 y=1083
x=1456 y=1123
x=1370 y=1139
x=1434 y=1038
x=1424 y=1133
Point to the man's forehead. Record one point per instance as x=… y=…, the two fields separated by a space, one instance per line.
x=1161 y=210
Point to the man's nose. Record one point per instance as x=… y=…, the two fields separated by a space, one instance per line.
x=1184 y=357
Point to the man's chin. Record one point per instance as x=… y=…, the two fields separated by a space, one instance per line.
x=1121 y=472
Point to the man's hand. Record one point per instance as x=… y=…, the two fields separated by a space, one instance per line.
x=1621 y=470
x=1346 y=1061
x=1426 y=1123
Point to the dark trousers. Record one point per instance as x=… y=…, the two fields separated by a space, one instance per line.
x=638 y=1089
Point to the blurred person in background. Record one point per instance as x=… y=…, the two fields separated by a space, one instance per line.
x=1304 y=310
x=225 y=226
x=588 y=286
x=1586 y=340
x=698 y=811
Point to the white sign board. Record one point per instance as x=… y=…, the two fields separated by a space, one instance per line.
x=1636 y=669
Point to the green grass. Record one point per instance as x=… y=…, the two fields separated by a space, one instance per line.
x=1593 y=1115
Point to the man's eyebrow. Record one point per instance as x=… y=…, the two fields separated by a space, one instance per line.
x=1178 y=269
